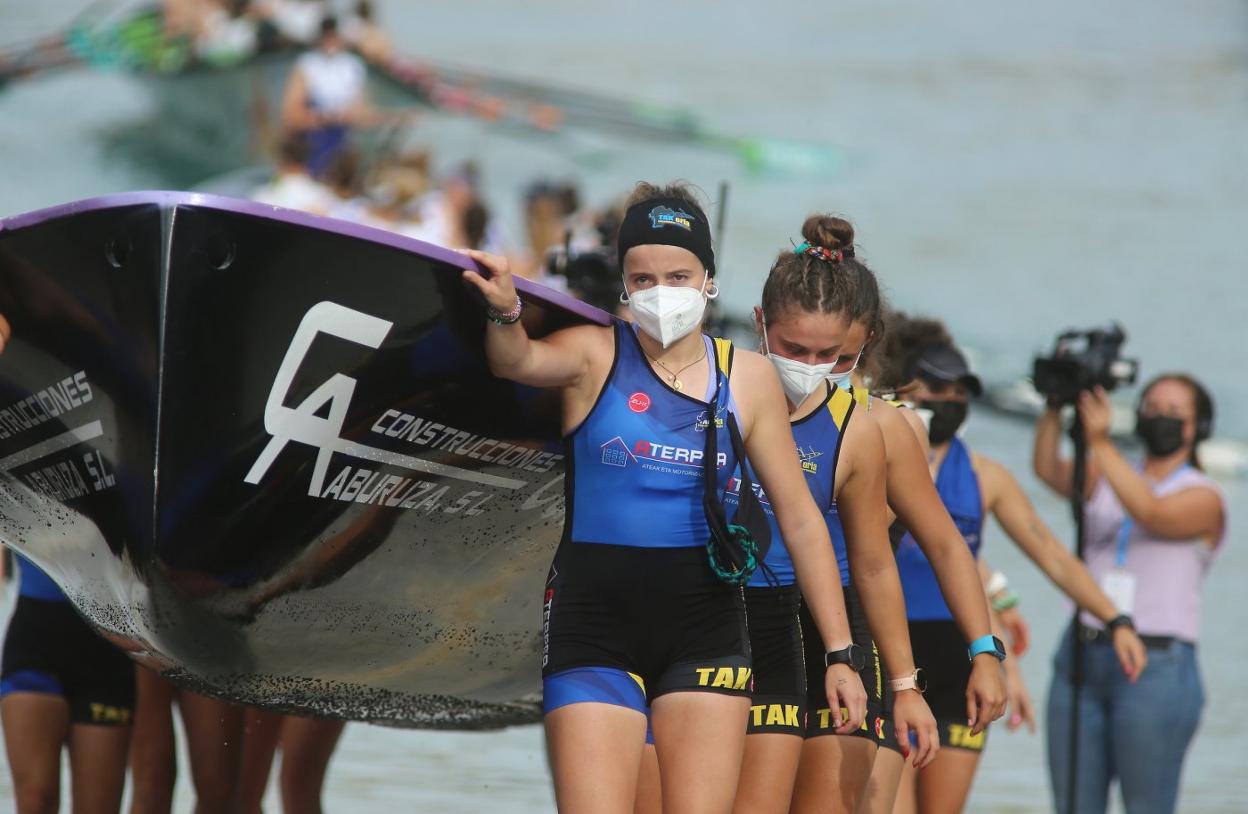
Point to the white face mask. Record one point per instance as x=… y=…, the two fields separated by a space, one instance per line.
x=798 y=378
x=669 y=313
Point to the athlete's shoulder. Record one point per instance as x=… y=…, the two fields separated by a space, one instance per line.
x=751 y=364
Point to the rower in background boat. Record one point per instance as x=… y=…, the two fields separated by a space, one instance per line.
x=324 y=97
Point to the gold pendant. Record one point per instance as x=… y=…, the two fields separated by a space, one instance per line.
x=675 y=383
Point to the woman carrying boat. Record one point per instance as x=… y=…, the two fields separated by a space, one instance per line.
x=634 y=618
x=813 y=297
x=934 y=374
x=1152 y=531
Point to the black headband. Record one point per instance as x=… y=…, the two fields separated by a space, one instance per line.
x=667 y=222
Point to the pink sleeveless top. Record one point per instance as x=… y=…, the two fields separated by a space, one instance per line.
x=1169 y=573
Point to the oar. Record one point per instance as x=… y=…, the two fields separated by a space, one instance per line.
x=35 y=56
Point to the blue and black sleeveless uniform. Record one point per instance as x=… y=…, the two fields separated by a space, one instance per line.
x=939 y=646
x=780 y=703
x=828 y=430
x=632 y=609
x=49 y=649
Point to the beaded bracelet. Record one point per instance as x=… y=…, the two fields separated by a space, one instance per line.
x=509 y=318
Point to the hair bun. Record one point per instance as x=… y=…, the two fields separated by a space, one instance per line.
x=830 y=232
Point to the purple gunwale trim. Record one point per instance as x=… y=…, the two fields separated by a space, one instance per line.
x=168 y=199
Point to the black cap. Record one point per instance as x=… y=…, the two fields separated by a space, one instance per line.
x=945 y=363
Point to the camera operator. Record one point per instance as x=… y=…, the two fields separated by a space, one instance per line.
x=1151 y=532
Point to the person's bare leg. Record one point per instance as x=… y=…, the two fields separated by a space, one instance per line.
x=595 y=756
x=700 y=738
x=153 y=752
x=907 y=800
x=214 y=740
x=768 y=772
x=649 y=784
x=97 y=763
x=307 y=746
x=35 y=728
x=945 y=783
x=881 y=791
x=833 y=775
x=261 y=732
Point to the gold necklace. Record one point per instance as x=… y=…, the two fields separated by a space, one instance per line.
x=674 y=378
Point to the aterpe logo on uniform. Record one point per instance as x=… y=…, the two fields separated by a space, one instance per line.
x=662 y=216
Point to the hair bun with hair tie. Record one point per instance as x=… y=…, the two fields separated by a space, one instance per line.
x=823 y=252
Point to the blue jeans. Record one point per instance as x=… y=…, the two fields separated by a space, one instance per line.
x=1137 y=733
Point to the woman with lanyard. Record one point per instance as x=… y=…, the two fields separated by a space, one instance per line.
x=935 y=376
x=1151 y=532
x=635 y=621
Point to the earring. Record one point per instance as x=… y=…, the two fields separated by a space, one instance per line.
x=712 y=291
x=624 y=298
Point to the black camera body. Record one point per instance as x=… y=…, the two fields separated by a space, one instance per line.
x=1083 y=360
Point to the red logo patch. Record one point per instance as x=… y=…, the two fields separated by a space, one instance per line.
x=639 y=402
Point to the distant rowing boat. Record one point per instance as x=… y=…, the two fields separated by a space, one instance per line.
x=262 y=452
x=205 y=112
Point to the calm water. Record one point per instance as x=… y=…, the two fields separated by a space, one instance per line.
x=1013 y=170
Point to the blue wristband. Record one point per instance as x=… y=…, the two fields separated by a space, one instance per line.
x=986 y=644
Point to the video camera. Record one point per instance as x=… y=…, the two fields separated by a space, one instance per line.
x=1082 y=360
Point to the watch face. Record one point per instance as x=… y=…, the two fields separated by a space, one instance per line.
x=857 y=658
x=920 y=680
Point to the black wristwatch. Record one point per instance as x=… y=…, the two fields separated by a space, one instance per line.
x=853 y=655
x=1121 y=620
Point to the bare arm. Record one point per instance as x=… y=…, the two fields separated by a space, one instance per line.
x=559 y=360
x=1053 y=470
x=861 y=505
x=1194 y=512
x=6 y=331
x=912 y=494
x=296 y=115
x=1005 y=499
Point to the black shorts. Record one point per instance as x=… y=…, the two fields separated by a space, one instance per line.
x=940 y=649
x=50 y=649
x=779 y=703
x=820 y=719
x=624 y=624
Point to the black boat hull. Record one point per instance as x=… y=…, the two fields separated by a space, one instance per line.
x=262 y=452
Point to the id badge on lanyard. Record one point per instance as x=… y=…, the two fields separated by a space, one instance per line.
x=1119 y=583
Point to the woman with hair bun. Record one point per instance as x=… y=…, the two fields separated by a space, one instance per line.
x=821 y=306
x=1152 y=530
x=813 y=298
x=643 y=618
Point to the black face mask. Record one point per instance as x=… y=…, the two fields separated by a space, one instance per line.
x=1161 y=434
x=947 y=416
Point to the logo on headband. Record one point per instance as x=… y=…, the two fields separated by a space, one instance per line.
x=662 y=216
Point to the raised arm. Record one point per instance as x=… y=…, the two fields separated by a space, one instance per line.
x=769 y=443
x=912 y=495
x=559 y=360
x=861 y=506
x=1007 y=502
x=1182 y=515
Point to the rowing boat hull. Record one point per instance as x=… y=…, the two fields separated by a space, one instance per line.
x=262 y=452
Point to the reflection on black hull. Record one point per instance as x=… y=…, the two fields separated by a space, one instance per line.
x=262 y=452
